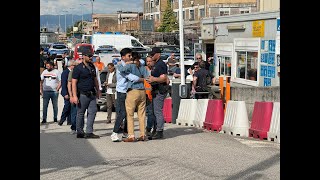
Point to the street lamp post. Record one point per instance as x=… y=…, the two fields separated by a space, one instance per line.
x=92 y=16
x=72 y=21
x=65 y=22
x=82 y=17
x=59 y=25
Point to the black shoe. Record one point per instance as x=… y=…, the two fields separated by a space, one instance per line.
x=60 y=123
x=148 y=132
x=55 y=120
x=91 y=136
x=153 y=132
x=68 y=123
x=81 y=135
x=43 y=121
x=108 y=121
x=158 y=135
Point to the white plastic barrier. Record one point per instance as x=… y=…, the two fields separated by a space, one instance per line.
x=187 y=112
x=274 y=131
x=236 y=120
x=201 y=112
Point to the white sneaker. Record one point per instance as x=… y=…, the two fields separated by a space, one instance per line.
x=114 y=137
x=73 y=132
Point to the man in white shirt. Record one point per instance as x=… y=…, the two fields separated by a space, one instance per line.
x=110 y=84
x=49 y=88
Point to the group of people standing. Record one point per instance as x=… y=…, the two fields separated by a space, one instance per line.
x=129 y=87
x=143 y=88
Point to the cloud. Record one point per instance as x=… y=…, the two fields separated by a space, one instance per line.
x=55 y=7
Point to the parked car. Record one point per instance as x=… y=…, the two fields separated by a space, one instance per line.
x=102 y=101
x=81 y=48
x=58 y=50
x=45 y=47
x=108 y=54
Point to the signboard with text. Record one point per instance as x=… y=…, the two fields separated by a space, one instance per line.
x=258 y=28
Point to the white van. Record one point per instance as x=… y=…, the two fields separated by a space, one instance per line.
x=119 y=41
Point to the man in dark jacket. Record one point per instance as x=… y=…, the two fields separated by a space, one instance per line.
x=65 y=115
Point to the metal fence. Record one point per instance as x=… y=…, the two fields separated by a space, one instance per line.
x=149 y=38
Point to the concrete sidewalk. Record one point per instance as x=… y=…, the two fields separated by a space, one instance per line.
x=184 y=153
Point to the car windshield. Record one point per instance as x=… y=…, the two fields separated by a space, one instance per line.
x=59 y=46
x=84 y=49
x=172 y=49
x=108 y=51
x=45 y=46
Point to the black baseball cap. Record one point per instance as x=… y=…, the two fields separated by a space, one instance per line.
x=87 y=54
x=155 y=50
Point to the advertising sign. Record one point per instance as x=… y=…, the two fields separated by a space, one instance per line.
x=258 y=28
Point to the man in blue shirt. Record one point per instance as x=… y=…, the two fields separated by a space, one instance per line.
x=121 y=88
x=136 y=96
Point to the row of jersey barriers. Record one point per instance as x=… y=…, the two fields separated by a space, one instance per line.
x=232 y=119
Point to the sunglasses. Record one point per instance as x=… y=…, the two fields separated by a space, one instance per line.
x=196 y=67
x=199 y=58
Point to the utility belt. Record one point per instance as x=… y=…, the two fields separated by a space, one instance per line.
x=88 y=93
x=161 y=88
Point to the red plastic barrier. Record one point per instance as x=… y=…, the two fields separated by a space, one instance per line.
x=214 y=116
x=167 y=110
x=261 y=118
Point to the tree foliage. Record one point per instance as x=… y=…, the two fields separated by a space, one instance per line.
x=169 y=21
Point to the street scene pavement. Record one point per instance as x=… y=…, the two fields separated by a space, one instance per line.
x=184 y=153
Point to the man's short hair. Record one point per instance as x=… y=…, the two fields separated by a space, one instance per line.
x=125 y=51
x=49 y=62
x=199 y=54
x=71 y=63
x=41 y=49
x=202 y=64
x=110 y=64
x=135 y=55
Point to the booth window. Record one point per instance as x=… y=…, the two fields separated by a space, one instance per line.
x=224 y=65
x=247 y=65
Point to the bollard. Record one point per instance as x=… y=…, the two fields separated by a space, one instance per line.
x=228 y=92
x=176 y=98
x=221 y=87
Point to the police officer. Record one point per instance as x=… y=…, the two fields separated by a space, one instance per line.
x=158 y=80
x=86 y=86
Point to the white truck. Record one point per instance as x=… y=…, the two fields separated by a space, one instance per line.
x=119 y=41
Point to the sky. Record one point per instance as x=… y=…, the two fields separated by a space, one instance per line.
x=54 y=7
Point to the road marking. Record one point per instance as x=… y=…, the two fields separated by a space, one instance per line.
x=255 y=143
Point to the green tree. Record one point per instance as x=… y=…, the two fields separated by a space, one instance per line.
x=169 y=21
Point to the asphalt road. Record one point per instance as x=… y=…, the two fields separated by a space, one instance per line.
x=184 y=153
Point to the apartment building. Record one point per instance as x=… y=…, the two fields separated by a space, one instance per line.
x=122 y=21
x=195 y=10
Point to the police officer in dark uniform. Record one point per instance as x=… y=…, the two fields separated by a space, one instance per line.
x=85 y=85
x=158 y=81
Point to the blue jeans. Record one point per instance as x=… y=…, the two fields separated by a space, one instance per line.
x=90 y=104
x=47 y=95
x=65 y=115
x=158 y=102
x=73 y=116
x=121 y=112
x=151 y=118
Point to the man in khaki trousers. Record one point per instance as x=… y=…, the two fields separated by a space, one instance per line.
x=136 y=97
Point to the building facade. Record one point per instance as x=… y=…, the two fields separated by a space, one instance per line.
x=194 y=11
x=125 y=22
x=246 y=47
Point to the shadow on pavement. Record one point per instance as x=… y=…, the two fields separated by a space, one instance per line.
x=180 y=131
x=253 y=171
x=61 y=151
